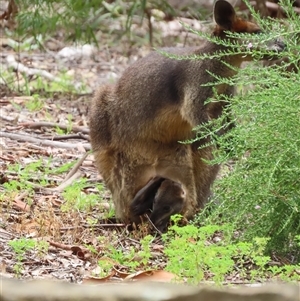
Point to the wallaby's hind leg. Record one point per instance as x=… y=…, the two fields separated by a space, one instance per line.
x=177 y=165
x=204 y=174
x=174 y=162
x=127 y=179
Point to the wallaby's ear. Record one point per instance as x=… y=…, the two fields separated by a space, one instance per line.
x=224 y=14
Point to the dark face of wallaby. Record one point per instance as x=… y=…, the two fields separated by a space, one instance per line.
x=143 y=200
x=169 y=200
x=160 y=198
x=136 y=124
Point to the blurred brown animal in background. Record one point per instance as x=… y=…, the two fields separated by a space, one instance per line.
x=136 y=126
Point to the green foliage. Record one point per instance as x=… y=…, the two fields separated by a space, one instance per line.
x=129 y=257
x=35 y=103
x=64 y=167
x=105 y=267
x=76 y=198
x=32 y=175
x=285 y=273
x=260 y=195
x=25 y=174
x=23 y=245
x=189 y=256
x=145 y=253
x=196 y=254
x=80 y=19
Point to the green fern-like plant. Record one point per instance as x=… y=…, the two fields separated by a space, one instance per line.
x=261 y=193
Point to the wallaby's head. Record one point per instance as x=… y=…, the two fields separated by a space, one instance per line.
x=143 y=200
x=169 y=199
x=228 y=21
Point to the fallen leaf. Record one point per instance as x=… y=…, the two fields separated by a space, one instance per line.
x=152 y=275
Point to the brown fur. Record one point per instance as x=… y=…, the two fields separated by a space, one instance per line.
x=135 y=125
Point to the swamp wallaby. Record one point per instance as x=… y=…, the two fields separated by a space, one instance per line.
x=136 y=125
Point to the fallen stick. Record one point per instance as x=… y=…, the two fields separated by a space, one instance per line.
x=27 y=138
x=71 y=136
x=67 y=183
x=75 y=168
x=59 y=188
x=37 y=125
x=95 y=226
x=10 y=59
x=19 y=204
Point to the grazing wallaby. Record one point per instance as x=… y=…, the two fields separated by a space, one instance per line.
x=136 y=124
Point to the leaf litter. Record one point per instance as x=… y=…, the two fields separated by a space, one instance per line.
x=50 y=191
x=34 y=202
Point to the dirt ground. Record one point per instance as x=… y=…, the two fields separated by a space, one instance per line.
x=44 y=150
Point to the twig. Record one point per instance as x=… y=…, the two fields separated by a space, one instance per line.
x=84 y=137
x=75 y=168
x=93 y=226
x=104 y=225
x=59 y=245
x=19 y=204
x=37 y=125
x=11 y=61
x=67 y=183
x=71 y=136
x=111 y=225
x=38 y=187
x=150 y=221
x=59 y=188
x=4 y=102
x=27 y=138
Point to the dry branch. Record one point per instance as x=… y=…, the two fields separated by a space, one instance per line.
x=10 y=59
x=22 y=137
x=71 y=136
x=67 y=183
x=76 y=167
x=37 y=125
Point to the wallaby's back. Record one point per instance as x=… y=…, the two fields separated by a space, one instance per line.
x=156 y=91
